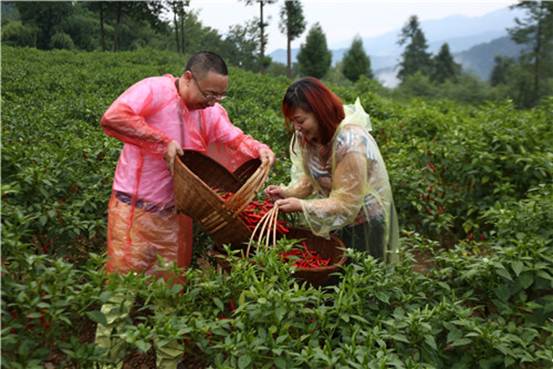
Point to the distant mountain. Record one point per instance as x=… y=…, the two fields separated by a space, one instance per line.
x=479 y=59
x=460 y=32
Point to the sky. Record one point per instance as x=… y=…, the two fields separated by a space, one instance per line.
x=340 y=20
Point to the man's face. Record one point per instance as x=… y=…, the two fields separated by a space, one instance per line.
x=203 y=91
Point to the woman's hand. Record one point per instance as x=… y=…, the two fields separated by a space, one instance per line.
x=274 y=192
x=289 y=205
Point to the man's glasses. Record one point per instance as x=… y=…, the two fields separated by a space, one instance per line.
x=209 y=96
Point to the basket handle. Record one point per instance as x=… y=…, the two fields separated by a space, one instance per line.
x=246 y=193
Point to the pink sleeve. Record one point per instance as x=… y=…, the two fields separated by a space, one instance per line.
x=125 y=119
x=224 y=132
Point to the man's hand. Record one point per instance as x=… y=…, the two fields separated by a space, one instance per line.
x=172 y=150
x=289 y=205
x=266 y=156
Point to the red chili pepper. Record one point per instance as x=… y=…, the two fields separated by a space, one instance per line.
x=306 y=257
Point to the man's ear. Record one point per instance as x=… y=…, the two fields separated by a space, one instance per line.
x=187 y=76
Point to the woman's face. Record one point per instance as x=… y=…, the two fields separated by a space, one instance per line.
x=306 y=125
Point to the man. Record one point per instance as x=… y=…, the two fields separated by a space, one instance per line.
x=156 y=119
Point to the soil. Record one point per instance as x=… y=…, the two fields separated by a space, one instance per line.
x=423 y=261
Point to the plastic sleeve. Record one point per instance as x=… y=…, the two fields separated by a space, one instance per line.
x=125 y=120
x=300 y=185
x=224 y=132
x=349 y=183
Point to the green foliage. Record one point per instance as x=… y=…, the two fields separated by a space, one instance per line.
x=536 y=31
x=262 y=24
x=46 y=16
x=16 y=34
x=242 y=44
x=356 y=62
x=501 y=71
x=444 y=67
x=465 y=89
x=472 y=184
x=81 y=27
x=292 y=24
x=61 y=40
x=314 y=58
x=415 y=58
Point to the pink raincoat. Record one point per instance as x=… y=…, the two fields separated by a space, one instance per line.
x=142 y=222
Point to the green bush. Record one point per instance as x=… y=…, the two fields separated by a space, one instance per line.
x=16 y=34
x=61 y=40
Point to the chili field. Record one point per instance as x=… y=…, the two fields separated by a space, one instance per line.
x=473 y=186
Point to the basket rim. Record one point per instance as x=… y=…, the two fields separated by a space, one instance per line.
x=205 y=185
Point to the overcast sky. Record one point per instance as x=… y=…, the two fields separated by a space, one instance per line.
x=341 y=20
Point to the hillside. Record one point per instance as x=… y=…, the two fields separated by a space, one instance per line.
x=472 y=185
x=479 y=59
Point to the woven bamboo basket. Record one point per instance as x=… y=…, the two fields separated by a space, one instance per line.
x=332 y=248
x=196 y=177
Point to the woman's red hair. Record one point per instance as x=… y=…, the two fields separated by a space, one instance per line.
x=311 y=95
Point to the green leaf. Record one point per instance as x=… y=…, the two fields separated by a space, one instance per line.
x=461 y=342
x=143 y=346
x=400 y=337
x=503 y=292
x=280 y=362
x=517 y=266
x=454 y=334
x=504 y=273
x=244 y=361
x=525 y=280
x=97 y=316
x=430 y=341
x=219 y=303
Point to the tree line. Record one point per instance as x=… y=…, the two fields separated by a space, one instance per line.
x=175 y=25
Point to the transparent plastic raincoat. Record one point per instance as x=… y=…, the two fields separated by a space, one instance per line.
x=349 y=192
x=142 y=222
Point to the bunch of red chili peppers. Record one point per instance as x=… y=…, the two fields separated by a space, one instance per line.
x=254 y=211
x=305 y=257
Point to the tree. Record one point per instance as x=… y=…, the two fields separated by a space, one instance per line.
x=501 y=69
x=199 y=37
x=292 y=25
x=444 y=67
x=314 y=58
x=125 y=12
x=242 y=44
x=356 y=63
x=178 y=8
x=101 y=8
x=46 y=16
x=415 y=58
x=262 y=25
x=537 y=32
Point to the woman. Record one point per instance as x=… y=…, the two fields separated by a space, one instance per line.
x=339 y=180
